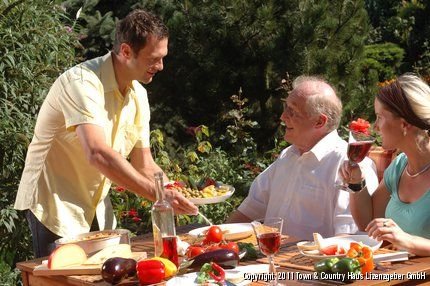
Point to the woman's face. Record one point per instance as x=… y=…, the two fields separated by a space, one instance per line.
x=388 y=126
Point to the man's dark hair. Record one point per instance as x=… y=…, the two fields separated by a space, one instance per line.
x=135 y=28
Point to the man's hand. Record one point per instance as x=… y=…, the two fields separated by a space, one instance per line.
x=179 y=203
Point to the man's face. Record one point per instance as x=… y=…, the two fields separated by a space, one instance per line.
x=149 y=60
x=299 y=127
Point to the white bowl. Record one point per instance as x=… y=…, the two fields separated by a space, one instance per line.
x=214 y=200
x=343 y=241
x=97 y=240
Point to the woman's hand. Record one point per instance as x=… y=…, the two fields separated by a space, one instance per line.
x=350 y=174
x=387 y=229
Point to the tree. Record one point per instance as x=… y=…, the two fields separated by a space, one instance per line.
x=385 y=59
x=327 y=38
x=218 y=47
x=405 y=23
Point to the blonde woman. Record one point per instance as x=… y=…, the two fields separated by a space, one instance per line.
x=399 y=210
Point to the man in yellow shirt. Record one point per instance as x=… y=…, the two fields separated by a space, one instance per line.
x=95 y=115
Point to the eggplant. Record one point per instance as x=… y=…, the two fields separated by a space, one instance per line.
x=117 y=268
x=225 y=258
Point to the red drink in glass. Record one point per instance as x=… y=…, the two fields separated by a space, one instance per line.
x=269 y=242
x=170 y=249
x=358 y=150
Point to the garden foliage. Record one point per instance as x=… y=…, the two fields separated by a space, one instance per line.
x=216 y=47
x=35 y=46
x=216 y=106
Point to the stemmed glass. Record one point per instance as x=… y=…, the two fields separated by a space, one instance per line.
x=268 y=233
x=359 y=144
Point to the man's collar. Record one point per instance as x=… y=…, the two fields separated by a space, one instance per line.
x=107 y=73
x=320 y=149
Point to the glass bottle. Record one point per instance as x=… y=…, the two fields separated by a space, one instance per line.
x=163 y=224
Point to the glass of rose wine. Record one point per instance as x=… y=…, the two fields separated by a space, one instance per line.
x=359 y=144
x=268 y=233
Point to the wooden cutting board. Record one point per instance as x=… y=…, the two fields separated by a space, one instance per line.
x=249 y=239
x=89 y=269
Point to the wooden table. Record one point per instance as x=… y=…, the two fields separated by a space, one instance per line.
x=418 y=266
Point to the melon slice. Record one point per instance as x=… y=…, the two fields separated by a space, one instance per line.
x=312 y=247
x=119 y=250
x=66 y=255
x=318 y=240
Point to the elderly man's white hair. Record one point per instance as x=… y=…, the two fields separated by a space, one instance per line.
x=321 y=98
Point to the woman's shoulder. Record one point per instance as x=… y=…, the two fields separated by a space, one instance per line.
x=400 y=160
x=394 y=171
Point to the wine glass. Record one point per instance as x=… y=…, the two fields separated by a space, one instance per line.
x=268 y=233
x=359 y=144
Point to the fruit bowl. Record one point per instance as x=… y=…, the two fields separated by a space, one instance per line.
x=96 y=240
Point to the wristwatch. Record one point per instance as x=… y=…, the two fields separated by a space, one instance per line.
x=357 y=187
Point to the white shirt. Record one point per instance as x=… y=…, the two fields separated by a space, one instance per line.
x=302 y=190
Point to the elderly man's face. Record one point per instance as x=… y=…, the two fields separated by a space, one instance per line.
x=298 y=124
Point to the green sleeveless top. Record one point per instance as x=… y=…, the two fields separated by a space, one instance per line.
x=413 y=218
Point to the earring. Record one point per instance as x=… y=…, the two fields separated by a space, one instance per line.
x=404 y=132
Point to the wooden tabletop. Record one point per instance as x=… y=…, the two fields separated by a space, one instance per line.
x=293 y=269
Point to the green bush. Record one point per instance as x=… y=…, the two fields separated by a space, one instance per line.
x=35 y=47
x=384 y=58
x=215 y=47
x=201 y=159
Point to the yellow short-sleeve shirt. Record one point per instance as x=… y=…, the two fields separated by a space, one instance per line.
x=58 y=184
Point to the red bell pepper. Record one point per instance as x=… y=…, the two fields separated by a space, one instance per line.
x=150 y=271
x=218 y=273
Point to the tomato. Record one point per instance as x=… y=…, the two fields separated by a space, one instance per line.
x=333 y=250
x=194 y=251
x=214 y=234
x=329 y=250
x=212 y=247
x=230 y=245
x=341 y=250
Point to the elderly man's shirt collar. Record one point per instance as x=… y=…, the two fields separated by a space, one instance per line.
x=320 y=149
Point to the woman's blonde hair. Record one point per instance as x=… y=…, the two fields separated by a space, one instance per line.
x=409 y=97
x=418 y=94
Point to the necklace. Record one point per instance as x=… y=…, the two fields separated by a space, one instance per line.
x=425 y=168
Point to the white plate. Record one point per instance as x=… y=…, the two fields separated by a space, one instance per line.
x=343 y=241
x=231 y=231
x=213 y=200
x=189 y=279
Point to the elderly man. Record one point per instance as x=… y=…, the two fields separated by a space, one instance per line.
x=95 y=116
x=301 y=185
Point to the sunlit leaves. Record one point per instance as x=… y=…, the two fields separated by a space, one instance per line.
x=35 y=48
